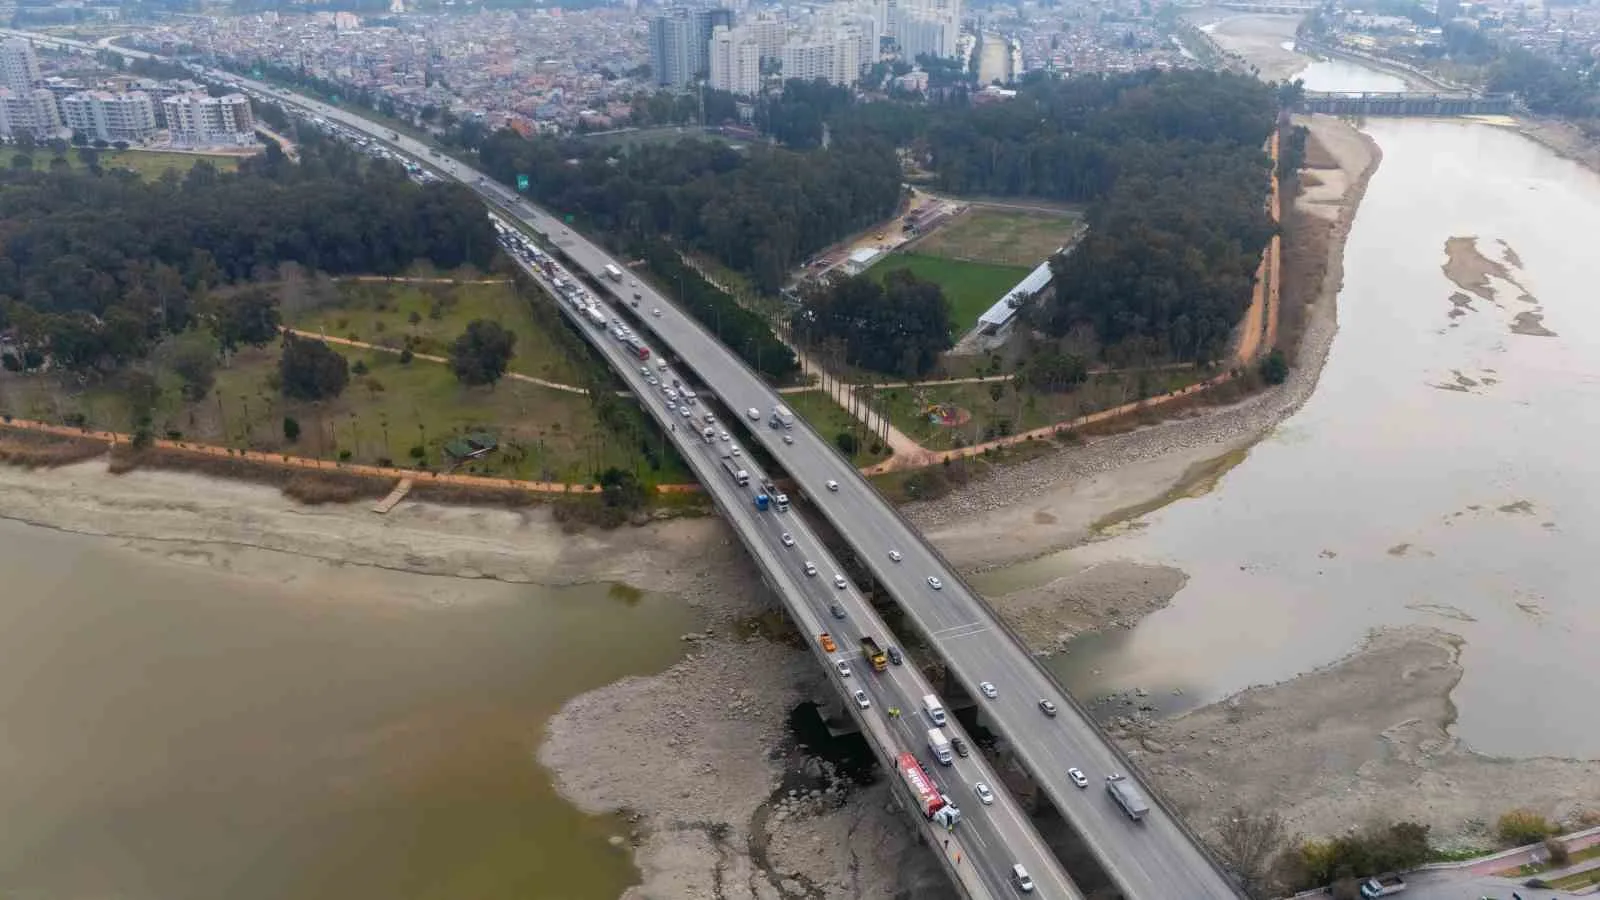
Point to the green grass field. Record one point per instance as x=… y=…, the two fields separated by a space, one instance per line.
x=829 y=419
x=970 y=288
x=381 y=313
x=1013 y=412
x=1002 y=237
x=148 y=164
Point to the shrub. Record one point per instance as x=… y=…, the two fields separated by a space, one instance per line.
x=417 y=452
x=1275 y=367
x=406 y=356
x=1558 y=852
x=344 y=456
x=359 y=368
x=846 y=442
x=1523 y=826
x=291 y=429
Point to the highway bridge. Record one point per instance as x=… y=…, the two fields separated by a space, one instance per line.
x=1407 y=103
x=1156 y=858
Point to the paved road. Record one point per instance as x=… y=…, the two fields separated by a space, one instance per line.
x=1153 y=859
x=990 y=839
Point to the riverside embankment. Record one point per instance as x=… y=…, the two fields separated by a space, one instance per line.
x=1434 y=491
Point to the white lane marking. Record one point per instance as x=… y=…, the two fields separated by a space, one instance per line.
x=965 y=629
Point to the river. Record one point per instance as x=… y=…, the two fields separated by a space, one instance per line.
x=171 y=731
x=1441 y=474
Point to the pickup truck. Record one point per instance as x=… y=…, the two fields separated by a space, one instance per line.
x=1382 y=886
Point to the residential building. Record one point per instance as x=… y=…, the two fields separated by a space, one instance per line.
x=735 y=62
x=200 y=120
x=927 y=27
x=771 y=33
x=30 y=111
x=19 y=68
x=103 y=116
x=706 y=23
x=833 y=55
x=672 y=48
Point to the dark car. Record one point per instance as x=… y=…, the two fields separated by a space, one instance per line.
x=895 y=657
x=837 y=610
x=960 y=746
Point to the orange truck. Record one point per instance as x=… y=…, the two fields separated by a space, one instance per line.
x=826 y=640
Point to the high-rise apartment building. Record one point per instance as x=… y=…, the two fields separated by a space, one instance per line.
x=931 y=27
x=831 y=54
x=672 y=52
x=771 y=33
x=19 y=68
x=200 y=120
x=735 y=61
x=32 y=112
x=680 y=43
x=103 y=116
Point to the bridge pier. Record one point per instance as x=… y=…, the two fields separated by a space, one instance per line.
x=835 y=716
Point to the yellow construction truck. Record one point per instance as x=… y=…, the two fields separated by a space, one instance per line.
x=874 y=654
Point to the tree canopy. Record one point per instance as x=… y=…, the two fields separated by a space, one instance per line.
x=311 y=370
x=900 y=325
x=482 y=352
x=97 y=266
x=759 y=210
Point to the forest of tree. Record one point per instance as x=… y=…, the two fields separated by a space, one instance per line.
x=760 y=211
x=899 y=325
x=1172 y=165
x=95 y=266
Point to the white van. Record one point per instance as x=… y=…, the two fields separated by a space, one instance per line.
x=934 y=709
x=1019 y=877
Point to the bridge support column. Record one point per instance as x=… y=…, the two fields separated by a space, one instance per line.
x=836 y=717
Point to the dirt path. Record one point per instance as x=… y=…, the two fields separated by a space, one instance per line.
x=428 y=357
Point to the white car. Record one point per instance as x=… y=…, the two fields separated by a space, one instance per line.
x=788 y=539
x=861 y=700
x=726 y=437
x=833 y=485
x=985 y=796
x=651 y=380
x=987 y=689
x=788 y=439
x=839 y=582
x=811 y=567
x=645 y=371
x=843 y=667
x=935 y=583
x=656 y=313
x=685 y=412
x=895 y=555
x=1078 y=778
x=736 y=451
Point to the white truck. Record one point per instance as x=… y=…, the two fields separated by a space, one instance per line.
x=613 y=273
x=739 y=475
x=1382 y=886
x=595 y=315
x=1122 y=790
x=939 y=746
x=934 y=709
x=781 y=417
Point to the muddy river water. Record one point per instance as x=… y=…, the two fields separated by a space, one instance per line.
x=172 y=731
x=1443 y=472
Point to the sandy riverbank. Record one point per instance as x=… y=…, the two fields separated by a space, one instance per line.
x=700 y=813
x=1366 y=739
x=1260 y=39
x=1063 y=499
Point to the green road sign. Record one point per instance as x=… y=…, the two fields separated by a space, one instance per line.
x=569 y=218
x=522 y=183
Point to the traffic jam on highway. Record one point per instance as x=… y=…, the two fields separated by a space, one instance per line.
x=682 y=407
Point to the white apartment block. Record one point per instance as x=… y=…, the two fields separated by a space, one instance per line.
x=833 y=55
x=19 y=68
x=104 y=116
x=735 y=61
x=199 y=120
x=31 y=111
x=771 y=34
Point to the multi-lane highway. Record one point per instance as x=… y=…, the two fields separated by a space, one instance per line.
x=990 y=839
x=1152 y=859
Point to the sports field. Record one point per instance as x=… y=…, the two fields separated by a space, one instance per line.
x=1002 y=237
x=969 y=287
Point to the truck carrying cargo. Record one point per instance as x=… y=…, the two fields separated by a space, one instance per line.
x=1127 y=796
x=782 y=501
x=595 y=315
x=761 y=502
x=739 y=475
x=934 y=709
x=939 y=746
x=936 y=806
x=873 y=653
x=613 y=273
